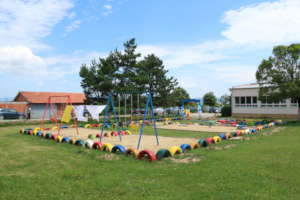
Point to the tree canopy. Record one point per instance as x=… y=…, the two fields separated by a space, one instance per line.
x=279 y=75
x=126 y=72
x=209 y=99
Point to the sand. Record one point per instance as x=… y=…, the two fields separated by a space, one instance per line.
x=200 y=128
x=130 y=141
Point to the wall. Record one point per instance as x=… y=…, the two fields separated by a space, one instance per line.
x=283 y=112
x=19 y=106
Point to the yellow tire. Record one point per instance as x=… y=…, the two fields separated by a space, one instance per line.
x=195 y=145
x=217 y=139
x=73 y=140
x=59 y=138
x=132 y=151
x=54 y=128
x=107 y=147
x=87 y=126
x=175 y=150
x=128 y=132
x=106 y=134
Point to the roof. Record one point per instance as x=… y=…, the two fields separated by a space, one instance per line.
x=57 y=97
x=246 y=86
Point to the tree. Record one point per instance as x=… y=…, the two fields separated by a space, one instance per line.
x=209 y=99
x=225 y=99
x=178 y=95
x=152 y=77
x=279 y=75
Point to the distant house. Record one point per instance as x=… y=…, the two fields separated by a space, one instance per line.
x=245 y=103
x=37 y=101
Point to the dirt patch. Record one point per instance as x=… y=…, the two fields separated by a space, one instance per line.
x=200 y=128
x=218 y=148
x=229 y=146
x=109 y=157
x=130 y=141
x=186 y=160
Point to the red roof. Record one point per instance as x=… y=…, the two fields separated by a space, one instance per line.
x=56 y=97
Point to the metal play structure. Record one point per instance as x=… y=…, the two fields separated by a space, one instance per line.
x=186 y=101
x=149 y=107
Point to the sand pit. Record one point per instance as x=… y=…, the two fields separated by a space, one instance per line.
x=130 y=141
x=200 y=128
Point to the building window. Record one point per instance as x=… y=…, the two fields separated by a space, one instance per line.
x=237 y=100
x=254 y=100
x=243 y=100
x=247 y=101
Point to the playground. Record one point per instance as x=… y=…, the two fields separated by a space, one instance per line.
x=198 y=128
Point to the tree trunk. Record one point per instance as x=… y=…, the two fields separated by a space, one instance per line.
x=298 y=118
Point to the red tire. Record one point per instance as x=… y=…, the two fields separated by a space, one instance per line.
x=97 y=145
x=146 y=154
x=210 y=140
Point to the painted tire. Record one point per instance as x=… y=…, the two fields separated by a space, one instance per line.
x=195 y=145
x=228 y=135
x=132 y=151
x=59 y=138
x=65 y=140
x=113 y=133
x=217 y=139
x=54 y=136
x=210 y=140
x=234 y=134
x=54 y=128
x=118 y=149
x=106 y=135
x=203 y=143
x=175 y=150
x=123 y=133
x=64 y=126
x=107 y=147
x=98 y=135
x=48 y=136
x=223 y=136
x=91 y=136
x=73 y=141
x=43 y=135
x=87 y=126
x=162 y=153
x=21 y=131
x=79 y=143
x=30 y=132
x=97 y=145
x=253 y=131
x=89 y=144
x=238 y=133
x=185 y=147
x=146 y=154
x=39 y=133
x=128 y=132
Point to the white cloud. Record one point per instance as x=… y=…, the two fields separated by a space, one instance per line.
x=20 y=60
x=73 y=26
x=26 y=22
x=268 y=23
x=108 y=9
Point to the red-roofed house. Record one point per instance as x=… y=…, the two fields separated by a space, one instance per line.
x=37 y=101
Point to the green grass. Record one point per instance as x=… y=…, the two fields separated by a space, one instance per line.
x=265 y=167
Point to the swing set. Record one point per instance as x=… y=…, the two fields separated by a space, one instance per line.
x=117 y=122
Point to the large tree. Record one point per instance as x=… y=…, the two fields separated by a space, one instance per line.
x=152 y=78
x=178 y=95
x=279 y=75
x=209 y=99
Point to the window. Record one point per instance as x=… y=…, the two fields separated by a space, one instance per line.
x=237 y=100
x=254 y=100
x=243 y=100
x=248 y=100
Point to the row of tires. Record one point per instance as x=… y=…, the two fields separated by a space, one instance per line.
x=144 y=154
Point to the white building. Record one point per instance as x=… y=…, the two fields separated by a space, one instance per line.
x=245 y=103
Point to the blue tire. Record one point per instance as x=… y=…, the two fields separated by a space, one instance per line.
x=223 y=136
x=185 y=147
x=65 y=140
x=118 y=149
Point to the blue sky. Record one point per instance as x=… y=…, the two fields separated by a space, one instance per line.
x=207 y=45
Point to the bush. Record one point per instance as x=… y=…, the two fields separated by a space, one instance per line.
x=226 y=111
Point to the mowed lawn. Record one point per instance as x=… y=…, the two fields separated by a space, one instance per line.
x=264 y=167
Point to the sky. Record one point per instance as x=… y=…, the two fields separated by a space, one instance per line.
x=208 y=45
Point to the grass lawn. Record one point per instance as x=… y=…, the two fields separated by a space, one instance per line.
x=264 y=167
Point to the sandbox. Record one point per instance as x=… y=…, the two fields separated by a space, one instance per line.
x=200 y=128
x=129 y=141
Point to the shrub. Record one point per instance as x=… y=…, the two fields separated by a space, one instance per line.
x=226 y=111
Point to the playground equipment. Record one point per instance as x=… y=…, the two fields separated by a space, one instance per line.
x=55 y=109
x=185 y=113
